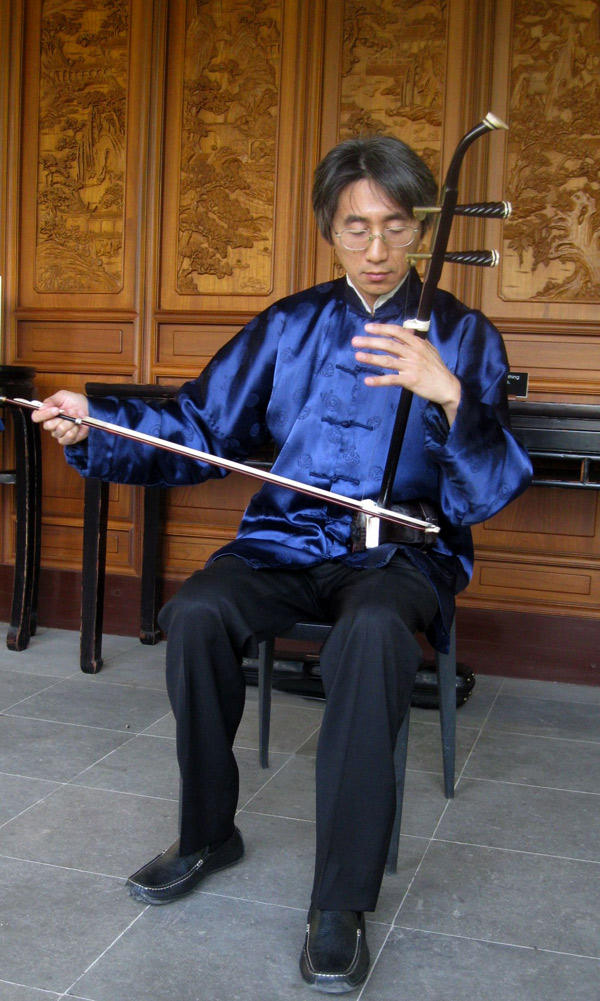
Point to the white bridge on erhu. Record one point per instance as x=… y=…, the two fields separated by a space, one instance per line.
x=369 y=508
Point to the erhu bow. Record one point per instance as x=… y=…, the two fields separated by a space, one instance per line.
x=365 y=507
x=444 y=214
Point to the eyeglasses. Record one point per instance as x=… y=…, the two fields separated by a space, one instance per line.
x=394 y=237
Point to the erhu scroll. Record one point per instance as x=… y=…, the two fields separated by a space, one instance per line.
x=444 y=215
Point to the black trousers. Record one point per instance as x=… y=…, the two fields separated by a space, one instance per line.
x=368 y=666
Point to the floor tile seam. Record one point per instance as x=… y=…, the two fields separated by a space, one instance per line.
x=84 y=726
x=529 y=785
x=104 y=952
x=32 y=695
x=514 y=851
x=164 y=736
x=201 y=891
x=496 y=731
x=498 y=942
x=268 y=781
x=278 y=816
x=31 y=806
x=63 y=868
x=124 y=792
x=131 y=686
x=121 y=792
x=548 y=697
x=52 y=995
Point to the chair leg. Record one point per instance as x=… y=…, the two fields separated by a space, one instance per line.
x=266 y=653
x=150 y=598
x=93 y=571
x=400 y=753
x=446 y=675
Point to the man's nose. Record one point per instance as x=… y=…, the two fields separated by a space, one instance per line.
x=377 y=249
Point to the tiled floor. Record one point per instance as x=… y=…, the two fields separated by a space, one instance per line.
x=497 y=896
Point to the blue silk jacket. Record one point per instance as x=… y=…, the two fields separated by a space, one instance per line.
x=291 y=375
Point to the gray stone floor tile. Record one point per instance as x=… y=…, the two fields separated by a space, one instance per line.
x=277 y=867
x=16 y=686
x=544 y=761
x=520 y=714
x=425 y=746
x=56 y=652
x=290 y=793
x=93 y=830
x=523 y=818
x=85 y=701
x=510 y=898
x=144 y=766
x=48 y=750
x=424 y=803
x=18 y=793
x=554 y=690
x=55 y=922
x=164 y=727
x=141 y=665
x=439 y=968
x=16 y=992
x=291 y=726
x=207 y=948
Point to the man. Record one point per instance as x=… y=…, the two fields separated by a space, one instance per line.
x=320 y=372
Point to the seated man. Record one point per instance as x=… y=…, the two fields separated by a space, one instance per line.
x=320 y=372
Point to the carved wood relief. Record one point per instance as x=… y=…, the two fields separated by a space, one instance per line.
x=228 y=147
x=84 y=64
x=552 y=243
x=393 y=72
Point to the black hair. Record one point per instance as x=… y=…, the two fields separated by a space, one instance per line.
x=388 y=162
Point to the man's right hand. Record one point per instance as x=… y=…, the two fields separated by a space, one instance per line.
x=65 y=432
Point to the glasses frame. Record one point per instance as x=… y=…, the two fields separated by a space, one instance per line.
x=373 y=236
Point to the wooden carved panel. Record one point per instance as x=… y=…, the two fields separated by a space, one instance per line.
x=233 y=141
x=82 y=140
x=231 y=90
x=547 y=84
x=552 y=154
x=81 y=160
x=393 y=72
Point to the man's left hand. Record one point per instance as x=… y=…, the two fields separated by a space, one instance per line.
x=413 y=363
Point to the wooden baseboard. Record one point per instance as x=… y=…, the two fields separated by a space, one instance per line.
x=513 y=644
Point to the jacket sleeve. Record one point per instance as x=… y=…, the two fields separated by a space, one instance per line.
x=221 y=412
x=481 y=465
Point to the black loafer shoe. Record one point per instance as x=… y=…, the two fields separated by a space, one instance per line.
x=335 y=957
x=171 y=875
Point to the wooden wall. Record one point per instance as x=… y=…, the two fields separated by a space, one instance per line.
x=156 y=177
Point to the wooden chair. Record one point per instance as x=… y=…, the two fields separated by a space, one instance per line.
x=313 y=632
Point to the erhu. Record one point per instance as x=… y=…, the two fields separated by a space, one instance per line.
x=366 y=527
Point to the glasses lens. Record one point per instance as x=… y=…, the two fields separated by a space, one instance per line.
x=354 y=239
x=398 y=236
x=394 y=237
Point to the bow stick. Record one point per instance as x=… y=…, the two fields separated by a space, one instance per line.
x=369 y=508
x=482 y=258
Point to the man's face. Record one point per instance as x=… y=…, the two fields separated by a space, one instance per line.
x=363 y=205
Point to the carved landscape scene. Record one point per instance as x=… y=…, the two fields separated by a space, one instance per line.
x=229 y=147
x=82 y=146
x=552 y=242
